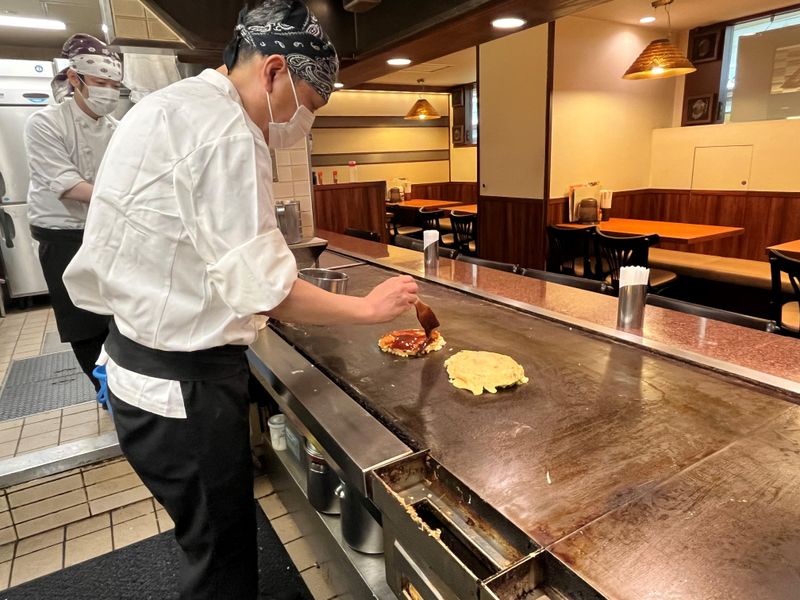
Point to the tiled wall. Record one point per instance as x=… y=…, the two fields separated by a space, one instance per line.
x=293 y=183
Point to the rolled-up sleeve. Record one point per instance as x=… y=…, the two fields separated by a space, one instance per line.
x=228 y=213
x=48 y=158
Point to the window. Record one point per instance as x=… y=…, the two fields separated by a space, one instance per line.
x=473 y=116
x=764 y=27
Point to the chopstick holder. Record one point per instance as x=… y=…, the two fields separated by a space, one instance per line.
x=632 y=297
x=430 y=247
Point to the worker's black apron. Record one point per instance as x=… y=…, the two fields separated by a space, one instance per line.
x=85 y=330
x=199 y=468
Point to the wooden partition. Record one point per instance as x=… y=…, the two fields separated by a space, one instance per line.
x=355 y=205
x=768 y=218
x=456 y=191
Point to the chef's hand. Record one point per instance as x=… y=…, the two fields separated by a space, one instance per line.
x=391 y=299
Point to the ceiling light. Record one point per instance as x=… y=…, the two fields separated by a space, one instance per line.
x=422 y=109
x=338 y=85
x=508 y=23
x=646 y=20
x=399 y=62
x=9 y=21
x=661 y=58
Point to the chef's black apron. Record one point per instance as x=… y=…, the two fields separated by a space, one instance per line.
x=84 y=330
x=199 y=468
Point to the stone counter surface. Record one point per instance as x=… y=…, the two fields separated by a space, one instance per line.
x=760 y=356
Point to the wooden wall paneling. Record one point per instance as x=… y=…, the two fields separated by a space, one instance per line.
x=512 y=230
x=357 y=205
x=455 y=191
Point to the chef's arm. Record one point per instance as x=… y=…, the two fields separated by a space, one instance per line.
x=311 y=305
x=81 y=192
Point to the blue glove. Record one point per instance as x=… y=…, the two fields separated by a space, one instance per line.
x=102 y=395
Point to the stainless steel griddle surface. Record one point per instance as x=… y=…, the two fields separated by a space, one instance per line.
x=599 y=426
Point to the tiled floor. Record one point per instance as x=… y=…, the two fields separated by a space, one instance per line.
x=24 y=335
x=58 y=521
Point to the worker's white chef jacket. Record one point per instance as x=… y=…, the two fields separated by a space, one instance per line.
x=64 y=147
x=181 y=243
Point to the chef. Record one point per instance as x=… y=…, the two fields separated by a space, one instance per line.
x=65 y=143
x=182 y=248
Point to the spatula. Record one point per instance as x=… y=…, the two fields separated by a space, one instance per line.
x=428 y=320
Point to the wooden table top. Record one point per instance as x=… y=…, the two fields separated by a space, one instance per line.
x=791 y=249
x=423 y=203
x=682 y=233
x=467 y=208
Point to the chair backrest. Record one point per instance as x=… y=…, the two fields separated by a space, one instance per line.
x=614 y=252
x=405 y=241
x=430 y=217
x=464 y=227
x=708 y=312
x=568 y=248
x=364 y=235
x=583 y=283
x=782 y=264
x=492 y=264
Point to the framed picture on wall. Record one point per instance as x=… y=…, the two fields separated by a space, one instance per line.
x=458 y=134
x=458 y=97
x=706 y=47
x=701 y=110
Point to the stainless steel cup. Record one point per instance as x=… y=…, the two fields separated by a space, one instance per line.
x=331 y=281
x=630 y=309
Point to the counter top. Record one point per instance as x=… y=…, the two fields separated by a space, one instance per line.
x=649 y=477
x=766 y=358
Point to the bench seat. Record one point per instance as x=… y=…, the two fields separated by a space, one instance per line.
x=735 y=271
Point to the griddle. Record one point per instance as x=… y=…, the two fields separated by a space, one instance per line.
x=600 y=424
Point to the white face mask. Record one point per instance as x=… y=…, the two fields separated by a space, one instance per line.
x=101 y=100
x=287 y=135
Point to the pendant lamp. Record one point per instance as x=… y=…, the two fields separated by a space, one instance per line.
x=422 y=109
x=661 y=58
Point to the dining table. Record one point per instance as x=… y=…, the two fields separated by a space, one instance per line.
x=668 y=231
x=790 y=249
x=467 y=208
x=418 y=203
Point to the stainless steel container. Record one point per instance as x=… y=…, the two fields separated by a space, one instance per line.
x=288 y=215
x=361 y=526
x=322 y=485
x=332 y=281
x=630 y=308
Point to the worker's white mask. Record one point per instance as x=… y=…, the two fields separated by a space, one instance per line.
x=100 y=100
x=288 y=134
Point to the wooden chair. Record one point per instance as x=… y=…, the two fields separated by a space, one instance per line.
x=785 y=313
x=614 y=252
x=583 y=283
x=410 y=243
x=431 y=217
x=372 y=236
x=491 y=264
x=403 y=222
x=708 y=312
x=465 y=232
x=570 y=251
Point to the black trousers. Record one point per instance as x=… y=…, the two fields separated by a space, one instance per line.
x=200 y=469
x=84 y=330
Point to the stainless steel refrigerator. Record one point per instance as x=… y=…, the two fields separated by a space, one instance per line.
x=24 y=88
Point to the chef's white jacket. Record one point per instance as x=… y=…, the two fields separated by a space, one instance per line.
x=181 y=243
x=64 y=147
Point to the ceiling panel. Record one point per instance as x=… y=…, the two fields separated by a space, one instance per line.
x=454 y=69
x=80 y=16
x=686 y=14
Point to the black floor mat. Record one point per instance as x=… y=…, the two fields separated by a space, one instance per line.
x=44 y=383
x=148 y=570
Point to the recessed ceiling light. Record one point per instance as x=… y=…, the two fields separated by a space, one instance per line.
x=646 y=20
x=9 y=21
x=338 y=85
x=399 y=62
x=508 y=23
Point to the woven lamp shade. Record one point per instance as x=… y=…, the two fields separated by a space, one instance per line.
x=422 y=111
x=659 y=60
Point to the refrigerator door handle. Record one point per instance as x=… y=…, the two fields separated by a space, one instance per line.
x=9 y=232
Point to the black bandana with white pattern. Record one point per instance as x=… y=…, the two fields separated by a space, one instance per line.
x=299 y=37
